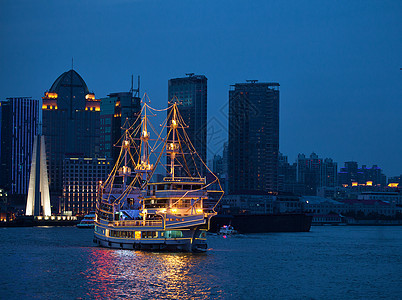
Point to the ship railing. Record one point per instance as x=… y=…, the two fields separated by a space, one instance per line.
x=177 y=193
x=138 y=223
x=185 y=179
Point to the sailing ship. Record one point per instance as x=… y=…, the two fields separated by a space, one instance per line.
x=135 y=211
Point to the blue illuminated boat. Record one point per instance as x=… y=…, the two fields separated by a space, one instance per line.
x=88 y=221
x=137 y=212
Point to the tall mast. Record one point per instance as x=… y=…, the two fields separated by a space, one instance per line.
x=125 y=167
x=145 y=137
x=144 y=165
x=173 y=145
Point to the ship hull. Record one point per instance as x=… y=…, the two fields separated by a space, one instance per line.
x=176 y=246
x=191 y=240
x=249 y=223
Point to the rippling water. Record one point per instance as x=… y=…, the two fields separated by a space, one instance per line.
x=327 y=263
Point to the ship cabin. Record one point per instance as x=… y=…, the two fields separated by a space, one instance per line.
x=181 y=196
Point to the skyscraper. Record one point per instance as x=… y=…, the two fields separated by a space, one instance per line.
x=81 y=180
x=190 y=93
x=308 y=172
x=329 y=173
x=253 y=137
x=314 y=172
x=286 y=175
x=71 y=117
x=18 y=126
x=116 y=109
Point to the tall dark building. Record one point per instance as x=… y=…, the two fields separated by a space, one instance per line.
x=314 y=172
x=349 y=173
x=308 y=172
x=190 y=93
x=286 y=175
x=116 y=109
x=71 y=121
x=18 y=126
x=253 y=137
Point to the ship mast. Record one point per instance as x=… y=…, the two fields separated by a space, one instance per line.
x=173 y=127
x=126 y=169
x=144 y=141
x=143 y=166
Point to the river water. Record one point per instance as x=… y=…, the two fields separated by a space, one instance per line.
x=329 y=262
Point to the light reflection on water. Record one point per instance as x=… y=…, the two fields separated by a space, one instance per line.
x=134 y=274
x=329 y=262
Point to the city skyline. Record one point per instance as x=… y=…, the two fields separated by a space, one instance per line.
x=219 y=151
x=338 y=64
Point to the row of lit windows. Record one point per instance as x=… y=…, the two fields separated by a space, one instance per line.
x=146 y=234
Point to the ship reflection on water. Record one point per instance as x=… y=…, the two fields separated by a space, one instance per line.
x=144 y=275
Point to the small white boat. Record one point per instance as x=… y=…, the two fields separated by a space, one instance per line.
x=88 y=221
x=227 y=229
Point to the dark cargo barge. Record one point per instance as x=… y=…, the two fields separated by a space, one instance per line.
x=253 y=223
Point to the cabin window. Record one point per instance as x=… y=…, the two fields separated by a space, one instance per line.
x=174 y=234
x=149 y=234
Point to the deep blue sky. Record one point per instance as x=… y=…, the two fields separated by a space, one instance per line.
x=337 y=61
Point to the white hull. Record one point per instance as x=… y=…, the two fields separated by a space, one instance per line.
x=192 y=240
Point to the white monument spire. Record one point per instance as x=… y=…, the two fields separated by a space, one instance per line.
x=38 y=192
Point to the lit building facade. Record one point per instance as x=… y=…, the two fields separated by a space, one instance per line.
x=190 y=94
x=395 y=182
x=352 y=175
x=81 y=179
x=71 y=125
x=18 y=126
x=253 y=137
x=116 y=109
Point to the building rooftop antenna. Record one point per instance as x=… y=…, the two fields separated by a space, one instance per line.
x=135 y=92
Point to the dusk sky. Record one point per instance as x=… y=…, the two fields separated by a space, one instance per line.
x=338 y=62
